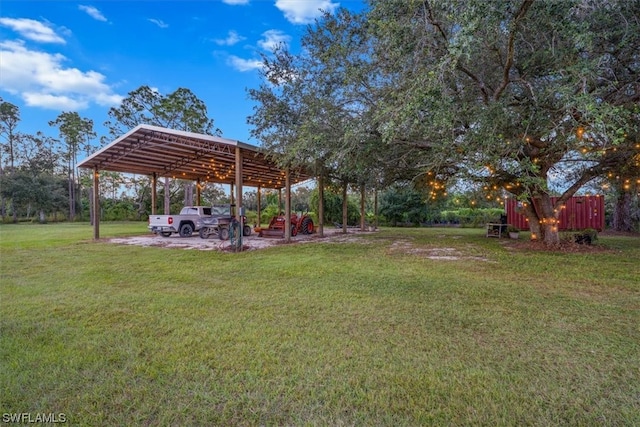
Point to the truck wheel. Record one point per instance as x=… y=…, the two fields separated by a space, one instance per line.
x=186 y=230
x=204 y=233
x=223 y=233
x=246 y=230
x=166 y=234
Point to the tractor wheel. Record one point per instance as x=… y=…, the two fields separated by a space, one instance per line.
x=246 y=230
x=294 y=231
x=186 y=230
x=204 y=233
x=223 y=233
x=307 y=226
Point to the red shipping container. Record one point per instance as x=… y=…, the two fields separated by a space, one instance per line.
x=578 y=213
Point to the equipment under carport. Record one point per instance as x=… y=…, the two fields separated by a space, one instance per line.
x=299 y=224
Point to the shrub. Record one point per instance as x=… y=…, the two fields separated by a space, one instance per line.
x=582 y=237
x=471 y=217
x=587 y=236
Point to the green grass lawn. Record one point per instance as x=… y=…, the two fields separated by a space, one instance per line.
x=367 y=333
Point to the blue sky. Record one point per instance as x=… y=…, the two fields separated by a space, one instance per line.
x=86 y=56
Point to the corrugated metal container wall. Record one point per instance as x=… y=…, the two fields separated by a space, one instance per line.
x=578 y=213
x=513 y=217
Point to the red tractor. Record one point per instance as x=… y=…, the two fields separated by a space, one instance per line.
x=299 y=224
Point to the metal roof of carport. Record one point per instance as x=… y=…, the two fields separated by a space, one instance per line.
x=178 y=154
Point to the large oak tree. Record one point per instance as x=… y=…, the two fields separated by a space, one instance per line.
x=537 y=98
x=534 y=97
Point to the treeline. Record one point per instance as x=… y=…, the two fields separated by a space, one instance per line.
x=39 y=177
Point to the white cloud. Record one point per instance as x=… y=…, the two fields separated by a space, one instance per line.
x=235 y=2
x=54 y=102
x=243 y=65
x=42 y=80
x=304 y=11
x=32 y=30
x=93 y=12
x=232 y=38
x=272 y=38
x=158 y=22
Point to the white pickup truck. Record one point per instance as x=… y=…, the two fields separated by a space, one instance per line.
x=185 y=223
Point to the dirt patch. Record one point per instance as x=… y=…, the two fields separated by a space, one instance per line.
x=434 y=253
x=331 y=235
x=252 y=242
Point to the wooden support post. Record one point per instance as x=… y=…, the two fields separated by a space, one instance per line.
x=238 y=182
x=239 y=198
x=198 y=193
x=321 y=201
x=96 y=204
x=259 y=202
x=287 y=207
x=154 y=193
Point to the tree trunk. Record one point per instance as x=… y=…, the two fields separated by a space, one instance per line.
x=345 y=207
x=72 y=192
x=362 y=206
x=141 y=206
x=70 y=189
x=543 y=220
x=622 y=220
x=549 y=221
x=72 y=212
x=3 y=202
x=375 y=207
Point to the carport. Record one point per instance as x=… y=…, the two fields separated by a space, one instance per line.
x=161 y=152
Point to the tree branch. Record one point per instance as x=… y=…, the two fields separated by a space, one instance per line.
x=526 y=4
